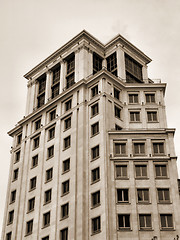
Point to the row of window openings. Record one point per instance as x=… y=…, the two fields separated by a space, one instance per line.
x=139 y=148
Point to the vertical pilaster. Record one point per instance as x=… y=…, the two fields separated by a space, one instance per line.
x=145 y=74
x=76 y=77
x=48 y=86
x=62 y=76
x=120 y=63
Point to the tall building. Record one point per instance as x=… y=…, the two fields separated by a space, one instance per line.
x=93 y=157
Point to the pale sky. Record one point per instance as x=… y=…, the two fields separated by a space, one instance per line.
x=33 y=29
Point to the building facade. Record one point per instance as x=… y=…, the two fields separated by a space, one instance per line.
x=93 y=157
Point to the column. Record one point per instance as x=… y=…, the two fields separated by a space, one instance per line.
x=48 y=86
x=62 y=76
x=120 y=63
x=145 y=74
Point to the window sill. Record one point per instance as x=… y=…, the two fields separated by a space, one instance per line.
x=95 y=206
x=152 y=122
x=135 y=122
x=46 y=202
x=94 y=115
x=144 y=203
x=141 y=178
x=49 y=180
x=94 y=135
x=123 y=203
x=29 y=211
x=120 y=155
x=161 y=178
x=46 y=226
x=124 y=229
x=12 y=202
x=94 y=233
x=66 y=148
x=14 y=180
x=95 y=181
x=35 y=148
x=9 y=223
x=49 y=139
x=92 y=160
x=65 y=171
x=121 y=178
x=167 y=229
x=146 y=229
x=63 y=218
x=49 y=158
x=165 y=202
x=67 y=129
x=27 y=234
x=32 y=189
x=34 y=166
x=64 y=194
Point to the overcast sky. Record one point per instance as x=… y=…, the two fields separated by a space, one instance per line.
x=33 y=29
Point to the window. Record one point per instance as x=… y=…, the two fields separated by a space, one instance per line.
x=31 y=204
x=46 y=219
x=143 y=195
x=47 y=196
x=95 y=175
x=94 y=110
x=116 y=93
x=135 y=116
x=52 y=115
x=32 y=183
x=37 y=124
x=139 y=148
x=66 y=165
x=36 y=142
x=97 y=63
x=9 y=236
x=64 y=210
x=51 y=133
x=161 y=171
x=17 y=156
x=41 y=93
x=112 y=64
x=94 y=129
x=50 y=152
x=67 y=123
x=120 y=148
x=64 y=234
x=95 y=199
x=19 y=138
x=11 y=217
x=49 y=174
x=158 y=148
x=141 y=171
x=55 y=82
x=96 y=225
x=124 y=221
x=117 y=127
x=122 y=195
x=150 y=97
x=95 y=152
x=68 y=105
x=70 y=71
x=15 y=174
x=117 y=112
x=152 y=116
x=133 y=70
x=121 y=171
x=13 y=196
x=65 y=187
x=34 y=161
x=145 y=221
x=163 y=195
x=133 y=98
x=166 y=221
x=29 y=227
x=94 y=91
x=45 y=238
x=67 y=142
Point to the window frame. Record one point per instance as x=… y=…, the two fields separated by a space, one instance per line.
x=65 y=188
x=65 y=211
x=143 y=201
x=139 y=144
x=32 y=183
x=17 y=156
x=68 y=104
x=122 y=148
x=96 y=172
x=13 y=196
x=47 y=196
x=122 y=193
x=141 y=171
x=158 y=143
x=94 y=91
x=166 y=215
x=124 y=227
x=150 y=98
x=29 y=227
x=63 y=165
x=31 y=204
x=34 y=160
x=95 y=152
x=117 y=111
x=46 y=219
x=52 y=114
x=66 y=123
x=94 y=109
x=36 y=142
x=50 y=152
x=95 y=199
x=94 y=129
x=10 y=217
x=160 y=165
x=164 y=200
x=96 y=225
x=51 y=133
x=15 y=174
x=145 y=216
x=62 y=232
x=111 y=61
x=133 y=98
x=67 y=142
x=135 y=116
x=151 y=114
x=49 y=172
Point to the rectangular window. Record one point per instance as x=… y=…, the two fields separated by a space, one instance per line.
x=37 y=124
x=95 y=175
x=121 y=171
x=9 y=236
x=95 y=152
x=49 y=174
x=51 y=133
x=66 y=165
x=50 y=152
x=117 y=127
x=133 y=70
x=46 y=219
x=45 y=238
x=32 y=183
x=139 y=148
x=150 y=97
x=29 y=227
x=56 y=74
x=68 y=105
x=11 y=217
x=96 y=225
x=135 y=116
x=67 y=142
x=116 y=93
x=152 y=116
x=15 y=174
x=94 y=129
x=65 y=187
x=143 y=195
x=41 y=92
x=117 y=112
x=141 y=171
x=34 y=161
x=36 y=142
x=124 y=221
x=94 y=91
x=122 y=195
x=95 y=199
x=158 y=148
x=94 y=110
x=112 y=63
x=97 y=63
x=120 y=148
x=166 y=221
x=47 y=196
x=65 y=210
x=70 y=71
x=17 y=156
x=55 y=85
x=163 y=195
x=161 y=171
x=67 y=123
x=133 y=98
x=145 y=221
x=64 y=234
x=19 y=138
x=13 y=196
x=52 y=115
x=31 y=204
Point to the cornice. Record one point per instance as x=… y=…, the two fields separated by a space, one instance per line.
x=141 y=131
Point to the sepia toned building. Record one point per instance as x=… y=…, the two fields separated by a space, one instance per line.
x=93 y=157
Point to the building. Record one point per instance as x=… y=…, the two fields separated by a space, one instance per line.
x=93 y=157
